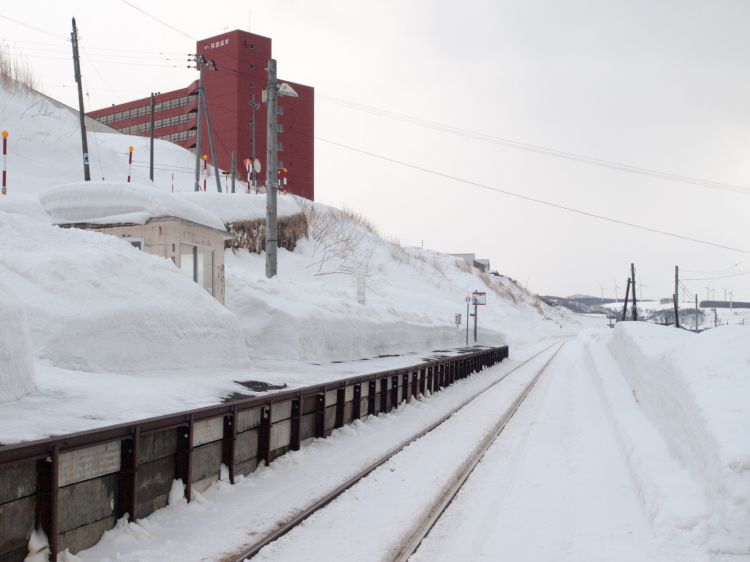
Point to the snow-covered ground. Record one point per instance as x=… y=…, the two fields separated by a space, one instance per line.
x=586 y=470
x=108 y=322
x=632 y=447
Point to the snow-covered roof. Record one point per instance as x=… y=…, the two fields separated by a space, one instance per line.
x=235 y=207
x=120 y=203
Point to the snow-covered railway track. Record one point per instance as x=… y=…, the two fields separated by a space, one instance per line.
x=454 y=485
x=404 y=549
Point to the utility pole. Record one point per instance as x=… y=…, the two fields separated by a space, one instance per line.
x=675 y=297
x=635 y=304
x=272 y=91
x=696 y=313
x=151 y=144
x=81 y=114
x=211 y=140
x=199 y=126
x=271 y=237
x=468 y=299
x=234 y=170
x=476 y=308
x=627 y=294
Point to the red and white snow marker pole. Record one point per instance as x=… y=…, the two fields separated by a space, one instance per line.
x=130 y=161
x=205 y=170
x=5 y=162
x=172 y=182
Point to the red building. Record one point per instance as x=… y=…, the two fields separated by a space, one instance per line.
x=240 y=60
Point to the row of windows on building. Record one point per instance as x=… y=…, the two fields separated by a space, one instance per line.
x=142 y=128
x=179 y=136
x=146 y=109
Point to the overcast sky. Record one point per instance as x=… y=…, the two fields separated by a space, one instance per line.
x=662 y=85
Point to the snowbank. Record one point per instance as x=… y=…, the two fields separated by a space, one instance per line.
x=16 y=362
x=120 y=202
x=94 y=303
x=311 y=311
x=234 y=207
x=695 y=388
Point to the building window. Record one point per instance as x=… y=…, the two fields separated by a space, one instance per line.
x=280 y=146
x=198 y=263
x=136 y=243
x=279 y=110
x=279 y=127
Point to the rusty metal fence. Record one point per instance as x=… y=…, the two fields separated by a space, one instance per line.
x=74 y=487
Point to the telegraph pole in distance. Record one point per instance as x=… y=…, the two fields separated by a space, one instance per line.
x=211 y=139
x=675 y=297
x=635 y=304
x=271 y=225
x=234 y=170
x=627 y=295
x=151 y=141
x=81 y=114
x=696 y=313
x=199 y=119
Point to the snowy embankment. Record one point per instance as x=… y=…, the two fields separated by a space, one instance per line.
x=95 y=303
x=685 y=435
x=16 y=360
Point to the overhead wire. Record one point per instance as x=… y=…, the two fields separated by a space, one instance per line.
x=533 y=199
x=144 y=12
x=620 y=166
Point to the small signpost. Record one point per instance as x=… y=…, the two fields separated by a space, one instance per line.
x=458 y=319
x=478 y=298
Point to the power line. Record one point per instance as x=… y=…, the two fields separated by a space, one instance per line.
x=740 y=274
x=533 y=199
x=173 y=28
x=619 y=166
x=35 y=28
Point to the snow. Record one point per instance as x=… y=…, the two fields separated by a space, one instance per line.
x=695 y=389
x=95 y=303
x=235 y=207
x=120 y=202
x=633 y=445
x=16 y=360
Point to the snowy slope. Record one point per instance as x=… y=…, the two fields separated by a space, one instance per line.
x=95 y=303
x=695 y=389
x=16 y=360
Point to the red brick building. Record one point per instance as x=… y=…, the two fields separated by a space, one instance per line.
x=240 y=60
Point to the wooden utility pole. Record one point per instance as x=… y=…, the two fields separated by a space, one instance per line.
x=627 y=294
x=151 y=142
x=632 y=283
x=696 y=313
x=81 y=114
x=675 y=296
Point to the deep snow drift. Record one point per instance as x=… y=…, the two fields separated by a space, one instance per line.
x=695 y=389
x=95 y=303
x=16 y=360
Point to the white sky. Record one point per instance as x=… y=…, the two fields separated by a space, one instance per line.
x=662 y=85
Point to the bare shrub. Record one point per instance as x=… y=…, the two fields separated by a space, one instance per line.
x=15 y=72
x=251 y=235
x=344 y=240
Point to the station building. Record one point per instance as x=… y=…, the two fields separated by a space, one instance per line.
x=237 y=82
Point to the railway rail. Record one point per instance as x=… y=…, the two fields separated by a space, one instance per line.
x=424 y=525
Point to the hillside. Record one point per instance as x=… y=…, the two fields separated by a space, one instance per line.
x=101 y=312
